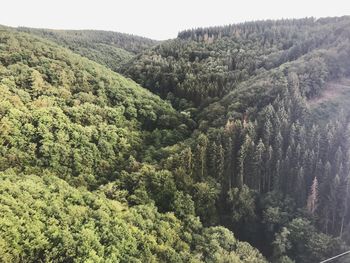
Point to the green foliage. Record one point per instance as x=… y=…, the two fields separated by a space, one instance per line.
x=108 y=48
x=95 y=138
x=301 y=240
x=242 y=203
x=44 y=219
x=266 y=123
x=258 y=141
x=215 y=241
x=207 y=63
x=72 y=116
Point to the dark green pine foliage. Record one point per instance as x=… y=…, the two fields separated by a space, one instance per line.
x=276 y=125
x=206 y=63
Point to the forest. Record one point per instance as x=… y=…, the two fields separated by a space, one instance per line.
x=225 y=144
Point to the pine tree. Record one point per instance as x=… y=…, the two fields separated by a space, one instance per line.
x=260 y=179
x=299 y=189
x=201 y=155
x=333 y=200
x=243 y=157
x=285 y=178
x=278 y=147
x=187 y=160
x=344 y=204
x=337 y=163
x=228 y=161
x=313 y=197
x=268 y=169
x=268 y=129
x=220 y=162
x=213 y=155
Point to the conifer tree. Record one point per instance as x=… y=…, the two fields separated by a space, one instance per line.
x=260 y=179
x=333 y=200
x=201 y=154
x=313 y=197
x=344 y=207
x=243 y=160
x=220 y=162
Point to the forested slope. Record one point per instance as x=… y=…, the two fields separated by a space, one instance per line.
x=210 y=62
x=256 y=146
x=108 y=48
x=77 y=117
x=79 y=148
x=262 y=162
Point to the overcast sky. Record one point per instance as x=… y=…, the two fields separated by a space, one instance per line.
x=158 y=19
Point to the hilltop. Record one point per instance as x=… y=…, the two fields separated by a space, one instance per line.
x=108 y=48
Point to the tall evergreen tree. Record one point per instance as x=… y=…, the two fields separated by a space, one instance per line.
x=313 y=197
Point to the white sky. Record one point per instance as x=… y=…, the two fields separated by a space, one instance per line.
x=158 y=19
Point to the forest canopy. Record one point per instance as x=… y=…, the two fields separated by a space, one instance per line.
x=226 y=144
